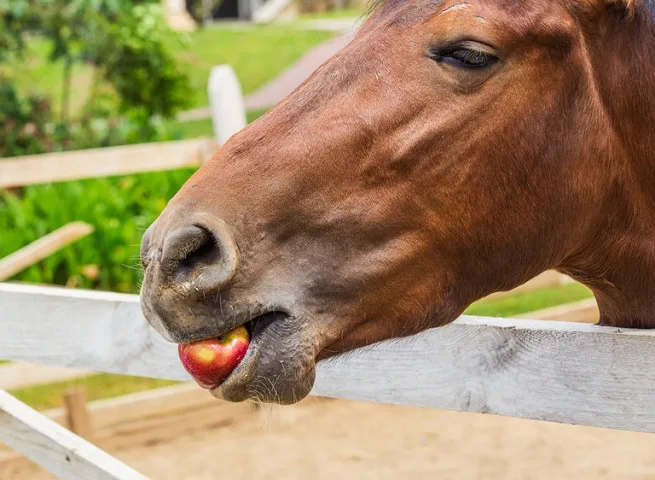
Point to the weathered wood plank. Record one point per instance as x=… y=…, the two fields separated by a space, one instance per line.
x=104 y=162
x=42 y=248
x=55 y=448
x=554 y=371
x=27 y=375
x=97 y=331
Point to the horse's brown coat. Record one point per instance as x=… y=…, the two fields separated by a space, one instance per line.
x=395 y=187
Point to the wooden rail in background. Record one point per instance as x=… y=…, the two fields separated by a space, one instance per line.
x=104 y=162
x=42 y=248
x=584 y=311
x=553 y=371
x=141 y=418
x=549 y=279
x=57 y=449
x=21 y=375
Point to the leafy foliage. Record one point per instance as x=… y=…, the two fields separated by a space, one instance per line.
x=135 y=59
x=23 y=122
x=27 y=127
x=119 y=208
x=136 y=82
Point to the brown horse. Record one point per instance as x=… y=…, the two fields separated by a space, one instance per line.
x=453 y=149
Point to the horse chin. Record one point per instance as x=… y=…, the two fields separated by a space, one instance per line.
x=279 y=366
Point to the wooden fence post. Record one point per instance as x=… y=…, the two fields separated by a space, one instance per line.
x=226 y=101
x=77 y=413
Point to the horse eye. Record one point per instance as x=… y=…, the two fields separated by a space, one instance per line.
x=465 y=58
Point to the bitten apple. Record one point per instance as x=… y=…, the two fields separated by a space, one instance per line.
x=211 y=361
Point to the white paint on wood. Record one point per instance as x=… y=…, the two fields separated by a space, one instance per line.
x=158 y=402
x=26 y=375
x=226 y=102
x=104 y=162
x=42 y=248
x=554 y=371
x=98 y=331
x=21 y=375
x=141 y=418
x=53 y=447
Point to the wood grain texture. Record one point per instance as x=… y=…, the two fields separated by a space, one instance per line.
x=104 y=162
x=53 y=447
x=42 y=248
x=554 y=371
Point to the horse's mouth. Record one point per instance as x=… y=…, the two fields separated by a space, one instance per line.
x=264 y=331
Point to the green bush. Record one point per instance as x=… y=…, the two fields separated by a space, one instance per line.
x=23 y=122
x=135 y=80
x=132 y=52
x=119 y=208
x=27 y=126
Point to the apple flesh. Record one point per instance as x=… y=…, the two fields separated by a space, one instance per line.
x=211 y=361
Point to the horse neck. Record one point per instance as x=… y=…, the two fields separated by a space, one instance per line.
x=619 y=263
x=622 y=54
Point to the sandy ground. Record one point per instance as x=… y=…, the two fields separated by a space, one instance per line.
x=339 y=439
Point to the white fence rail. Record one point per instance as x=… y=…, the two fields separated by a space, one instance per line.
x=55 y=448
x=104 y=162
x=553 y=371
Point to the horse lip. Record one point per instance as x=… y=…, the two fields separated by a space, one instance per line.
x=243 y=371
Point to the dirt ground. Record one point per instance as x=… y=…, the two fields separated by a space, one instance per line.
x=337 y=439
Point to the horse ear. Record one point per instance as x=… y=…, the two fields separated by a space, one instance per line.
x=627 y=4
x=598 y=6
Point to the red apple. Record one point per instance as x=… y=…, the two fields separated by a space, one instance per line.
x=210 y=362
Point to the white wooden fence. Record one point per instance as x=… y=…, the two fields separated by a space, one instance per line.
x=552 y=371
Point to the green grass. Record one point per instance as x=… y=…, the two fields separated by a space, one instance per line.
x=120 y=209
x=257 y=53
x=108 y=386
x=529 y=301
x=97 y=387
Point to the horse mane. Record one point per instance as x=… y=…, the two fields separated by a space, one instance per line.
x=630 y=5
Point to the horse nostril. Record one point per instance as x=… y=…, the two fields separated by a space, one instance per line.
x=207 y=253
x=200 y=259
